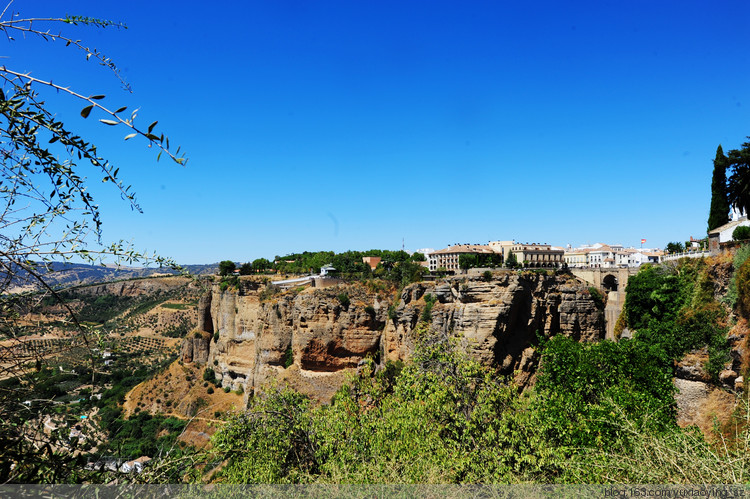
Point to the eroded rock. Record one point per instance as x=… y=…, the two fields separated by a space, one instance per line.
x=311 y=338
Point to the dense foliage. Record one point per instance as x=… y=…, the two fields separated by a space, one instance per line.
x=468 y=261
x=738 y=184
x=719 y=212
x=444 y=418
x=672 y=308
x=396 y=266
x=741 y=233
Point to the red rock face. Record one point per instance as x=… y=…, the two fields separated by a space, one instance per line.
x=312 y=336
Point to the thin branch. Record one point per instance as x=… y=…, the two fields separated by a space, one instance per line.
x=153 y=139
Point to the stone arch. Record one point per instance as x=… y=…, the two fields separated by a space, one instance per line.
x=610 y=282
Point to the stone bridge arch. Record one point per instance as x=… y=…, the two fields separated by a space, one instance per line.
x=613 y=282
x=610 y=282
x=603 y=279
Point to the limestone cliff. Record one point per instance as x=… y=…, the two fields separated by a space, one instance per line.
x=313 y=338
x=137 y=287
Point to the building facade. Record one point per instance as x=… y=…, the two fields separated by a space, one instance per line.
x=538 y=255
x=448 y=258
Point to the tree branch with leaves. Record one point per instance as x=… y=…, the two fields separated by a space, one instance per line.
x=47 y=214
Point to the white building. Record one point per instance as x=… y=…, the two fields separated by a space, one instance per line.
x=609 y=256
x=723 y=234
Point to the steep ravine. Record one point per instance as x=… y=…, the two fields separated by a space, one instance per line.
x=311 y=339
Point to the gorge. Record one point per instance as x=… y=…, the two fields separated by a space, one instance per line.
x=311 y=339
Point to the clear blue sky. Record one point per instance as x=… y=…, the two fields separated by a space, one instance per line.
x=353 y=125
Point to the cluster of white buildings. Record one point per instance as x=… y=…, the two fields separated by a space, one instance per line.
x=542 y=255
x=610 y=256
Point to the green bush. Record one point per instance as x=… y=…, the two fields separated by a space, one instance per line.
x=288 y=357
x=392 y=313
x=443 y=418
x=209 y=375
x=427 y=311
x=673 y=309
x=741 y=233
x=742 y=286
x=740 y=257
x=583 y=385
x=597 y=297
x=344 y=300
x=268 y=292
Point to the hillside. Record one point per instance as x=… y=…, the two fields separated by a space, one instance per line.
x=60 y=275
x=501 y=377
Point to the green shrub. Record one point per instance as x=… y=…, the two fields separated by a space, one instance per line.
x=288 y=357
x=209 y=375
x=487 y=275
x=344 y=300
x=742 y=285
x=392 y=313
x=427 y=311
x=268 y=292
x=216 y=337
x=742 y=254
x=597 y=297
x=210 y=390
x=443 y=418
x=741 y=233
x=584 y=386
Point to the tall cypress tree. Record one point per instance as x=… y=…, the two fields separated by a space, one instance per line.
x=719 y=214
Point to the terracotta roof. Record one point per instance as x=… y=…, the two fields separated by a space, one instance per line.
x=464 y=248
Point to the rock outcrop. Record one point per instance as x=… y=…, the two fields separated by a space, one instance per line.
x=313 y=338
x=196 y=347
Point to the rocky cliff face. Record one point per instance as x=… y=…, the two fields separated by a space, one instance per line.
x=312 y=338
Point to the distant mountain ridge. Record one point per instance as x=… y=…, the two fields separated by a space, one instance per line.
x=64 y=275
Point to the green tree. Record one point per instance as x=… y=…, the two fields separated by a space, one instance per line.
x=511 y=262
x=418 y=257
x=719 y=213
x=226 y=267
x=246 y=268
x=467 y=261
x=738 y=187
x=674 y=247
x=261 y=264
